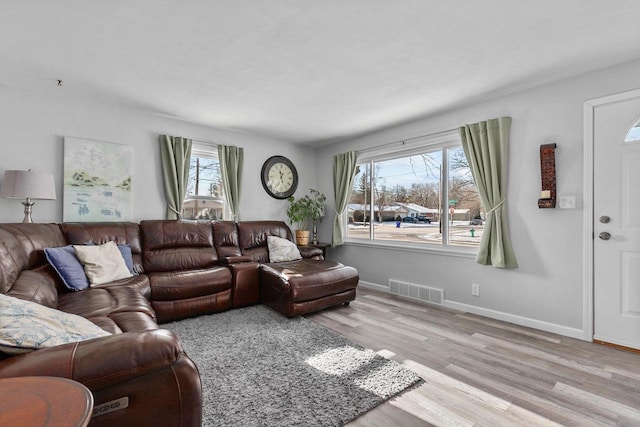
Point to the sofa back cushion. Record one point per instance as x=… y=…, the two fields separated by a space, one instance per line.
x=170 y=245
x=13 y=259
x=225 y=239
x=99 y=233
x=39 y=285
x=24 y=271
x=253 y=237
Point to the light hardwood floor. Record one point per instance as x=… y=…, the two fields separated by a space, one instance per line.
x=483 y=372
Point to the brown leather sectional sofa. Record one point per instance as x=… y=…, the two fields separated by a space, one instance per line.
x=185 y=269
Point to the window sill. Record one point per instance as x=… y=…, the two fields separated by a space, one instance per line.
x=453 y=251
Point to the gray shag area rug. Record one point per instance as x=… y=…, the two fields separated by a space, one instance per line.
x=259 y=368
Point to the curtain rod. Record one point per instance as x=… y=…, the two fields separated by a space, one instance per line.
x=404 y=141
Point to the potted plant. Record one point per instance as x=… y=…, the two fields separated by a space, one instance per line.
x=309 y=207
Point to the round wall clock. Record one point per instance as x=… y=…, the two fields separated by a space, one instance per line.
x=279 y=177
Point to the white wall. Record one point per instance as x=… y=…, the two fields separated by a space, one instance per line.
x=546 y=291
x=34 y=123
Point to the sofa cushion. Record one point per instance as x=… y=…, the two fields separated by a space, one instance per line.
x=282 y=249
x=27 y=326
x=102 y=263
x=128 y=321
x=37 y=285
x=138 y=282
x=225 y=239
x=68 y=267
x=253 y=235
x=180 y=285
x=13 y=260
x=100 y=302
x=22 y=248
x=98 y=233
x=177 y=245
x=307 y=279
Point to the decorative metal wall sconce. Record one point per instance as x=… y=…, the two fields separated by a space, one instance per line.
x=548 y=176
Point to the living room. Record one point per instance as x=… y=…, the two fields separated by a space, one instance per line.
x=549 y=291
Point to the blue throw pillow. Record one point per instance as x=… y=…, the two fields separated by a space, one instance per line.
x=125 y=250
x=68 y=267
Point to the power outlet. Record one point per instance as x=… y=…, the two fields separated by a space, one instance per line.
x=475 y=290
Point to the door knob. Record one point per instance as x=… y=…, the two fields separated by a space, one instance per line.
x=605 y=219
x=604 y=235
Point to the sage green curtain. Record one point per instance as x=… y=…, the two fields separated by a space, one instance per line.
x=231 y=160
x=486 y=146
x=344 y=168
x=175 y=153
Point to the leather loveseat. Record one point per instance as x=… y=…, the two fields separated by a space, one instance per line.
x=184 y=269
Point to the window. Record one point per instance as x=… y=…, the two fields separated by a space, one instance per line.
x=205 y=194
x=417 y=195
x=634 y=133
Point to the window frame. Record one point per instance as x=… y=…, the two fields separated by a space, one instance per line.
x=419 y=145
x=208 y=150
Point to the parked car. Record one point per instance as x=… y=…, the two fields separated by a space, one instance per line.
x=475 y=221
x=411 y=219
x=424 y=219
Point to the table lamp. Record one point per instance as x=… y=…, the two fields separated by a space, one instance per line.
x=27 y=185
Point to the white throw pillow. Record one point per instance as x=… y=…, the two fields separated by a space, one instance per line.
x=282 y=249
x=27 y=326
x=102 y=263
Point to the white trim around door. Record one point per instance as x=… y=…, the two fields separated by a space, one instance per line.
x=588 y=233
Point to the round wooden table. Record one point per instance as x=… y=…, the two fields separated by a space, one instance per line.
x=44 y=401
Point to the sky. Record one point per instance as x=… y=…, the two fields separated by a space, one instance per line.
x=406 y=171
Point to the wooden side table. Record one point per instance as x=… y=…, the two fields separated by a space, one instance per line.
x=44 y=401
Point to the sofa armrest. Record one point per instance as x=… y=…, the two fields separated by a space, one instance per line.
x=99 y=362
x=235 y=259
x=146 y=373
x=245 y=283
x=310 y=252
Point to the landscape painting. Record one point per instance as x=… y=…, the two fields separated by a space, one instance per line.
x=97 y=181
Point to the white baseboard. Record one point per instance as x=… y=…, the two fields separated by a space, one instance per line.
x=518 y=320
x=498 y=315
x=373 y=286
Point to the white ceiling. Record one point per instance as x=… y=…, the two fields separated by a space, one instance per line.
x=307 y=71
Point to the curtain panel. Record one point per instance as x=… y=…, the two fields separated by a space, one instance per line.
x=485 y=145
x=344 y=170
x=231 y=162
x=175 y=154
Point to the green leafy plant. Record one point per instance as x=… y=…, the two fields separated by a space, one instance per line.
x=311 y=206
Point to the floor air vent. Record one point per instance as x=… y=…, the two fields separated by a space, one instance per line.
x=419 y=292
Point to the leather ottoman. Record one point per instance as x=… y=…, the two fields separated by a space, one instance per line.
x=304 y=286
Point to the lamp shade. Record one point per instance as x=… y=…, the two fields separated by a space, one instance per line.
x=28 y=185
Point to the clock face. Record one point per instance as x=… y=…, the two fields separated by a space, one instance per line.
x=279 y=177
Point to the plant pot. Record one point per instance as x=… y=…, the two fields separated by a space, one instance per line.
x=302 y=237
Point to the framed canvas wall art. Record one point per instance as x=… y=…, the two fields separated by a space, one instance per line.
x=97 y=181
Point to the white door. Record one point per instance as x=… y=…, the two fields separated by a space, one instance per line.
x=616 y=213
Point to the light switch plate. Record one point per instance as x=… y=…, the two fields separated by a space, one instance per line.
x=567 y=202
